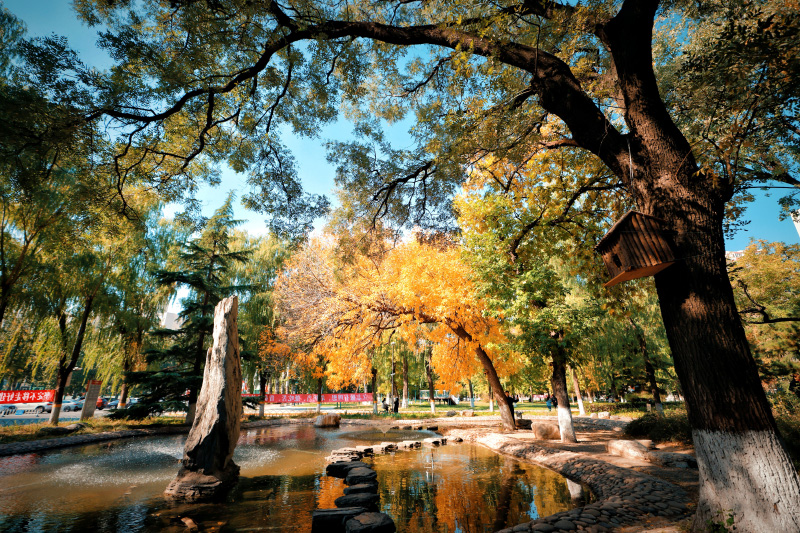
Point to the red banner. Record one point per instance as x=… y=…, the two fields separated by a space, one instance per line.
x=312 y=398
x=26 y=396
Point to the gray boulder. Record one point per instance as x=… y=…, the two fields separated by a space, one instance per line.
x=370 y=523
x=341 y=468
x=207 y=468
x=360 y=475
x=372 y=486
x=368 y=500
x=333 y=520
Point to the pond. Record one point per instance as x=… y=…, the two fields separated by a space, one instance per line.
x=117 y=486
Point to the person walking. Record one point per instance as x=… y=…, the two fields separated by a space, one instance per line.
x=548 y=401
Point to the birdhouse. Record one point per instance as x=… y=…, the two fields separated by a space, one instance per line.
x=635 y=247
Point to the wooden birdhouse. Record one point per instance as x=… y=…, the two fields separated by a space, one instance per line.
x=635 y=247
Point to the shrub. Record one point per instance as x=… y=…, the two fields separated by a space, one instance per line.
x=672 y=427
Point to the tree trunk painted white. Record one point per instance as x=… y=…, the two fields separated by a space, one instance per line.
x=491 y=404
x=471 y=395
x=565 y=424
x=433 y=407
x=732 y=463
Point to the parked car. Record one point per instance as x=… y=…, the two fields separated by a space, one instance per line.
x=38 y=408
x=113 y=404
x=102 y=403
x=71 y=405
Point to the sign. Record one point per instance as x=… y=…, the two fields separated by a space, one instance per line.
x=26 y=396
x=312 y=398
x=90 y=402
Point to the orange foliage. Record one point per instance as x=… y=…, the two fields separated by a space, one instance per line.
x=341 y=310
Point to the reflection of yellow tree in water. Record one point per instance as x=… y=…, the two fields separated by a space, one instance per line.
x=466 y=489
x=330 y=488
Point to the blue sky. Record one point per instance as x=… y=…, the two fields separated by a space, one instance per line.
x=43 y=17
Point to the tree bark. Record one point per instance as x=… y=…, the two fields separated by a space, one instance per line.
x=471 y=395
x=374 y=389
x=319 y=395
x=506 y=415
x=559 y=384
x=65 y=366
x=429 y=373
x=263 y=377
x=404 y=403
x=577 y=386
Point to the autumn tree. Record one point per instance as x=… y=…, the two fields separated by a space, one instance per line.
x=345 y=312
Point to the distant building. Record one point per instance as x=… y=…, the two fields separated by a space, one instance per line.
x=170 y=320
x=733 y=256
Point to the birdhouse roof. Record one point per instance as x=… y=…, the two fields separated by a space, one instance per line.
x=617 y=227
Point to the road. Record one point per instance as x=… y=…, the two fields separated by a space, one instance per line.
x=8 y=420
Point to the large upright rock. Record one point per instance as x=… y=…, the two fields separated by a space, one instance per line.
x=207 y=469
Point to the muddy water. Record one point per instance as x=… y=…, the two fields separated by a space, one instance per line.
x=117 y=486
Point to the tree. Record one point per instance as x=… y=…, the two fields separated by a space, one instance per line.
x=591 y=66
x=204 y=265
x=342 y=312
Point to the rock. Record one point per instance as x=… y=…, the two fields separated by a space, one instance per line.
x=546 y=528
x=646 y=443
x=370 y=523
x=360 y=475
x=456 y=439
x=341 y=468
x=327 y=421
x=565 y=525
x=432 y=428
x=523 y=423
x=365 y=451
x=432 y=441
x=54 y=430
x=333 y=520
x=189 y=523
x=207 y=468
x=593 y=415
x=451 y=413
x=546 y=431
x=603 y=414
x=343 y=458
x=372 y=486
x=389 y=446
x=407 y=428
x=468 y=412
x=368 y=500
x=628 y=448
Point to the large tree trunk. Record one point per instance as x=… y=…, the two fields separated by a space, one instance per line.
x=429 y=374
x=374 y=389
x=577 y=386
x=559 y=384
x=506 y=415
x=404 y=403
x=744 y=469
x=66 y=365
x=263 y=377
x=319 y=395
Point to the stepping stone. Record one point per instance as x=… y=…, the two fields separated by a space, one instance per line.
x=341 y=468
x=379 y=448
x=456 y=439
x=367 y=500
x=333 y=520
x=389 y=446
x=364 y=450
x=370 y=523
x=432 y=428
x=372 y=486
x=432 y=442
x=360 y=475
x=343 y=458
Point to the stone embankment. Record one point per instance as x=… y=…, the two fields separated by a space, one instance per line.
x=625 y=497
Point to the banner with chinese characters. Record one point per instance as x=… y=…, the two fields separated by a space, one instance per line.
x=26 y=396
x=312 y=398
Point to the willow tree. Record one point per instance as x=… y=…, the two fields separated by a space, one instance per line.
x=684 y=130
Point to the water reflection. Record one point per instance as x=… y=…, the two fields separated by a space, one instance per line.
x=117 y=486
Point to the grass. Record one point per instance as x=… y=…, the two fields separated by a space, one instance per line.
x=27 y=432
